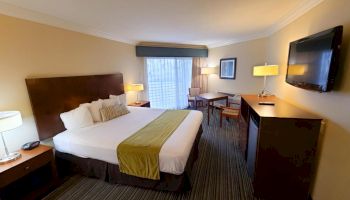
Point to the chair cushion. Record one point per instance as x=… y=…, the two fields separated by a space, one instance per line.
x=231 y=112
x=191 y=98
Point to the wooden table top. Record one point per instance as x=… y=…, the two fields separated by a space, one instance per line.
x=212 y=96
x=281 y=109
x=25 y=156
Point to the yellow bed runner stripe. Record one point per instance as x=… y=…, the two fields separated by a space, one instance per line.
x=138 y=155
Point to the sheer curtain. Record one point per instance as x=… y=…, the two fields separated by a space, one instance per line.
x=168 y=80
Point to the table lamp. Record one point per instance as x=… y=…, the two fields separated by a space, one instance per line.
x=8 y=121
x=265 y=70
x=208 y=70
x=135 y=87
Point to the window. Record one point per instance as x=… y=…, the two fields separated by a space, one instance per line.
x=168 y=82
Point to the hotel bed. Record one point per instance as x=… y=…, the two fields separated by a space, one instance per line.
x=92 y=149
x=100 y=140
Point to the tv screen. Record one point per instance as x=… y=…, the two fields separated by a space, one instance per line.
x=313 y=61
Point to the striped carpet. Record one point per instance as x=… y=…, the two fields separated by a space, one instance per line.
x=219 y=173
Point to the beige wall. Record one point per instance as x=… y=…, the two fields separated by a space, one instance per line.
x=333 y=171
x=248 y=54
x=30 y=49
x=332 y=177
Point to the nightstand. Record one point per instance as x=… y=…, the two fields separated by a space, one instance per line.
x=29 y=177
x=141 y=104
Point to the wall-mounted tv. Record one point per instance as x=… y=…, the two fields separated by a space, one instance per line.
x=313 y=61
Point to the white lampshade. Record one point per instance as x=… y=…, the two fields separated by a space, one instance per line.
x=135 y=87
x=265 y=70
x=10 y=120
x=208 y=70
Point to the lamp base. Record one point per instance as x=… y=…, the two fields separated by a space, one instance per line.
x=10 y=157
x=264 y=94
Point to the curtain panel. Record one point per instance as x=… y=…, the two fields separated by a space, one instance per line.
x=199 y=80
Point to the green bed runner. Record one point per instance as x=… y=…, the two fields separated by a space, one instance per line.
x=138 y=155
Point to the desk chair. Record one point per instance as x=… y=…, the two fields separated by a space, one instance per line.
x=193 y=92
x=233 y=111
x=228 y=112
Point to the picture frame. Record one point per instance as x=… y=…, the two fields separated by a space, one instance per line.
x=228 y=68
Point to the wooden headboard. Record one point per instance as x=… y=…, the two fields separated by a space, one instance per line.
x=51 y=96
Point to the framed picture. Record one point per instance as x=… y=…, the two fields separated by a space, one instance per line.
x=228 y=68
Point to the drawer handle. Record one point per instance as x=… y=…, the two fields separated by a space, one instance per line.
x=27 y=168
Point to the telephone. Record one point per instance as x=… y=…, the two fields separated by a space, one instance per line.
x=30 y=145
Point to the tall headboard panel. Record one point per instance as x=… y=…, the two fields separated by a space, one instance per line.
x=51 y=96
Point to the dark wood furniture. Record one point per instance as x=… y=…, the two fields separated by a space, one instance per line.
x=29 y=163
x=51 y=96
x=141 y=104
x=210 y=98
x=279 y=143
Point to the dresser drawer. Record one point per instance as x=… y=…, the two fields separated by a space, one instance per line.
x=25 y=168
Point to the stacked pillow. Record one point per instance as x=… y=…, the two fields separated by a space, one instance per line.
x=77 y=118
x=97 y=111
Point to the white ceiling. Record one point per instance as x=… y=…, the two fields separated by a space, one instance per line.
x=202 y=22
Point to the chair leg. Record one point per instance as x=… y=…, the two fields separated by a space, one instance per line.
x=220 y=119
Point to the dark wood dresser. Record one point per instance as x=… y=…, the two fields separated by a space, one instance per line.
x=279 y=143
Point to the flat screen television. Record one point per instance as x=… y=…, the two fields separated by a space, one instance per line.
x=313 y=61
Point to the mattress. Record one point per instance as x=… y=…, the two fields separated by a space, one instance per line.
x=100 y=140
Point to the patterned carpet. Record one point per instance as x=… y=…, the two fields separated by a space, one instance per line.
x=219 y=173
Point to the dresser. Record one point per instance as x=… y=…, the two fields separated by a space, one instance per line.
x=279 y=143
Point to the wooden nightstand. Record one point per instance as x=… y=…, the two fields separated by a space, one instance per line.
x=29 y=177
x=141 y=104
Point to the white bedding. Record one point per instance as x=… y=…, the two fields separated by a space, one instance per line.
x=101 y=140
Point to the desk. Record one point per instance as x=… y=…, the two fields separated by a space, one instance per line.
x=211 y=97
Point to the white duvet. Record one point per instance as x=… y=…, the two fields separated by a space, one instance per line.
x=100 y=141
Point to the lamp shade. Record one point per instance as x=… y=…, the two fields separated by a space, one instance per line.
x=136 y=87
x=208 y=70
x=10 y=120
x=265 y=70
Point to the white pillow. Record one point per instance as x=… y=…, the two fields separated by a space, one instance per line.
x=85 y=104
x=77 y=118
x=94 y=108
x=121 y=98
x=110 y=102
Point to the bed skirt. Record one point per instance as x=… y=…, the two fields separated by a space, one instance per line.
x=111 y=174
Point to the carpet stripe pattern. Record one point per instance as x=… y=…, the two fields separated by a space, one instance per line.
x=219 y=173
